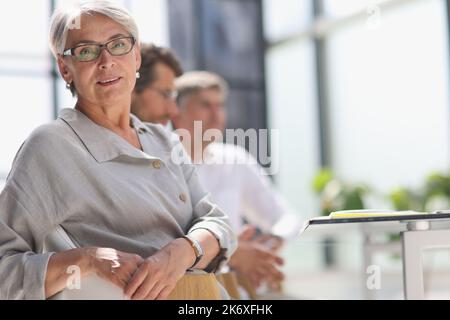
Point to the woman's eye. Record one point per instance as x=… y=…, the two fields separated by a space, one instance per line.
x=86 y=51
x=118 y=44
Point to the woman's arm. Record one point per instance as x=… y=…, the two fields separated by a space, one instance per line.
x=58 y=267
x=112 y=265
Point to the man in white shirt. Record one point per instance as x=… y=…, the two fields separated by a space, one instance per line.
x=234 y=179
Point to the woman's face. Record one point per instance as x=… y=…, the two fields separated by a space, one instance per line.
x=92 y=79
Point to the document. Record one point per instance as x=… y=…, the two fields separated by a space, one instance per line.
x=371 y=213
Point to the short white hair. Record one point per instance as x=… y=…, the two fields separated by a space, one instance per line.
x=65 y=18
x=193 y=82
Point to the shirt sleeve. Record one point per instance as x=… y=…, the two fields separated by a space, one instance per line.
x=22 y=271
x=24 y=223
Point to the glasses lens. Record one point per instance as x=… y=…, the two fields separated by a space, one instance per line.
x=121 y=46
x=87 y=52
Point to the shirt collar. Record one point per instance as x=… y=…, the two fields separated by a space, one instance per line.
x=103 y=144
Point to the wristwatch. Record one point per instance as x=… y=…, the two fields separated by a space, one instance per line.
x=197 y=249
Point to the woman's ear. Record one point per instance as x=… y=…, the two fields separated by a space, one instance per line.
x=64 y=70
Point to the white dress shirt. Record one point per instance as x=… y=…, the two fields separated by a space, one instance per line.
x=237 y=185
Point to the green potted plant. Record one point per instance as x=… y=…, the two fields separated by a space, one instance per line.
x=336 y=195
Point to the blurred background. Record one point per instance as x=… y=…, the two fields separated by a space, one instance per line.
x=357 y=89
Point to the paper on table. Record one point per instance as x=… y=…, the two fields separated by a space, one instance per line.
x=371 y=213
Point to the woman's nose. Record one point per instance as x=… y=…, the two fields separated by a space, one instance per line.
x=105 y=59
x=172 y=109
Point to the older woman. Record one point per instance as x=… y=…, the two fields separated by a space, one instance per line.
x=140 y=219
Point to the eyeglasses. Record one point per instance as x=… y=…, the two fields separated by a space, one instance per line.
x=90 y=52
x=167 y=94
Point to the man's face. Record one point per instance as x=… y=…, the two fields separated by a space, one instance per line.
x=155 y=103
x=207 y=106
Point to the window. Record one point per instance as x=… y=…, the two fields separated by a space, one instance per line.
x=24 y=75
x=388 y=96
x=26 y=62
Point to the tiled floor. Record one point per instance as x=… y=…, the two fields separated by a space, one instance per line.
x=346 y=285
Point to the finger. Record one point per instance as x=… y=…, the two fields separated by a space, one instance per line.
x=269 y=256
x=256 y=279
x=247 y=233
x=271 y=272
x=273 y=243
x=117 y=281
x=165 y=293
x=253 y=279
x=155 y=291
x=135 y=281
x=262 y=239
x=146 y=287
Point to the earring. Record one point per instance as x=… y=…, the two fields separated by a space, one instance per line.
x=138 y=75
x=68 y=86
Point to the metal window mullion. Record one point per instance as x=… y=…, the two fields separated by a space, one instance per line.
x=448 y=36
x=320 y=54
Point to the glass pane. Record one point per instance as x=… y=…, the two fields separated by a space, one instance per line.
x=183 y=32
x=22 y=64
x=341 y=8
x=293 y=111
x=389 y=97
x=152 y=19
x=25 y=26
x=68 y=3
x=232 y=42
x=284 y=18
x=26 y=105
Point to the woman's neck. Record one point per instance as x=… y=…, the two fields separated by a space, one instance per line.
x=115 y=118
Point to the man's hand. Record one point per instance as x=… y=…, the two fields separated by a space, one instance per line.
x=270 y=241
x=158 y=275
x=256 y=261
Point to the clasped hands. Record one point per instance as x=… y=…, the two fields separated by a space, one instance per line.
x=143 y=279
x=257 y=259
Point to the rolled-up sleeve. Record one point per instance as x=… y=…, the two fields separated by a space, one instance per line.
x=22 y=271
x=208 y=215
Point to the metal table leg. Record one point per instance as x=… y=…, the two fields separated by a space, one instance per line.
x=417 y=238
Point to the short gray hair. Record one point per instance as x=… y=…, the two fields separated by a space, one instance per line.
x=64 y=19
x=194 y=81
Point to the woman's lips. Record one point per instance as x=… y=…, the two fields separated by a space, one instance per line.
x=109 y=82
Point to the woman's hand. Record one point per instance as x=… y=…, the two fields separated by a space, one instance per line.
x=158 y=275
x=115 y=266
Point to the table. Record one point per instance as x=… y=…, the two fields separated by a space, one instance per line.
x=418 y=232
